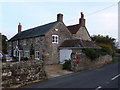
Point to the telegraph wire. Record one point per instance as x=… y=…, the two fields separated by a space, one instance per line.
x=102 y=9
x=115 y=4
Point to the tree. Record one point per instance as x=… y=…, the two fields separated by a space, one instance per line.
x=104 y=41
x=3 y=43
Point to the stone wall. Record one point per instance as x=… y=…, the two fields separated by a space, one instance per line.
x=83 y=63
x=22 y=72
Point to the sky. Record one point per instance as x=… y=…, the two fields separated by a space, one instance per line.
x=101 y=17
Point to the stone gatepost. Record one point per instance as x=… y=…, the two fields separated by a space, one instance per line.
x=75 y=60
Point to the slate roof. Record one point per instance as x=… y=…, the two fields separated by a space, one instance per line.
x=33 y=32
x=74 y=28
x=78 y=43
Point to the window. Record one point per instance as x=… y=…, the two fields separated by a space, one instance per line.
x=56 y=29
x=26 y=54
x=17 y=42
x=10 y=45
x=66 y=39
x=16 y=53
x=54 y=38
x=37 y=55
x=24 y=42
x=1 y=55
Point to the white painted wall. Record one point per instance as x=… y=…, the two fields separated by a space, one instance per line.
x=65 y=54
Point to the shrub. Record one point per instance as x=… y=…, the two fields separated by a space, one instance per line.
x=67 y=65
x=117 y=50
x=91 y=53
x=26 y=58
x=116 y=59
x=3 y=60
x=15 y=59
x=107 y=46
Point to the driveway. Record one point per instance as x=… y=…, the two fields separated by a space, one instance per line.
x=55 y=70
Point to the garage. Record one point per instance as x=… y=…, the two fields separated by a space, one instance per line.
x=65 y=54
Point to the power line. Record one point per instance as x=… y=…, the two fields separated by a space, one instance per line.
x=102 y=9
x=97 y=11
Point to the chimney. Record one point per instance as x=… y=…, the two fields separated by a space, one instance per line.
x=19 y=28
x=82 y=20
x=60 y=17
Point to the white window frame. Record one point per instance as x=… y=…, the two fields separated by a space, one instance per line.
x=16 y=53
x=28 y=54
x=17 y=42
x=37 y=56
x=56 y=39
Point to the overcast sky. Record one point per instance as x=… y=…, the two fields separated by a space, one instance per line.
x=101 y=17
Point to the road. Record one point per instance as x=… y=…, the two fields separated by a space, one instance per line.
x=104 y=77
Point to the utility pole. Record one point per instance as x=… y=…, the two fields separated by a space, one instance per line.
x=119 y=25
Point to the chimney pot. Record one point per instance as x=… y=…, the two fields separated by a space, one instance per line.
x=19 y=28
x=82 y=20
x=82 y=15
x=60 y=17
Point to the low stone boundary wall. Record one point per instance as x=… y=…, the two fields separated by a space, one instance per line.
x=15 y=73
x=84 y=63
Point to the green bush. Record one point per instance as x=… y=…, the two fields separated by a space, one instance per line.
x=116 y=59
x=67 y=65
x=105 y=51
x=95 y=53
x=3 y=60
x=117 y=50
x=91 y=53
x=26 y=58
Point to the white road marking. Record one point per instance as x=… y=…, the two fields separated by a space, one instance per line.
x=108 y=82
x=98 y=88
x=115 y=77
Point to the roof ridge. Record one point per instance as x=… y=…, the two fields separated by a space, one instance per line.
x=33 y=32
x=39 y=26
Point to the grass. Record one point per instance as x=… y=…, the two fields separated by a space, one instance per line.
x=116 y=59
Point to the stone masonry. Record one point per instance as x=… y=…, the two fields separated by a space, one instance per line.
x=82 y=34
x=41 y=40
x=84 y=63
x=22 y=72
x=52 y=51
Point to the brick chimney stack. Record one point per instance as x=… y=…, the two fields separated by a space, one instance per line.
x=60 y=17
x=19 y=28
x=82 y=20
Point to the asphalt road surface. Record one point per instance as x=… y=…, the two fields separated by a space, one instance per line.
x=104 y=77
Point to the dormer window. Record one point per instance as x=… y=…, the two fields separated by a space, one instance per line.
x=54 y=38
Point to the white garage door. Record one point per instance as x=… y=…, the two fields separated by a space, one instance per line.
x=65 y=55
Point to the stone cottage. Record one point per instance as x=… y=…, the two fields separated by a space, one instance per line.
x=46 y=41
x=80 y=39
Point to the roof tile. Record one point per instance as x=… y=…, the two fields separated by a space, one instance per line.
x=78 y=43
x=74 y=28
